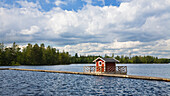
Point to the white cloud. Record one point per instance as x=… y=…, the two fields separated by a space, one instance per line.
x=47 y=1
x=93 y=29
x=28 y=5
x=124 y=0
x=30 y=31
x=156 y=48
x=87 y=1
x=59 y=2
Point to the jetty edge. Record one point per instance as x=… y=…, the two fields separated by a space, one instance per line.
x=95 y=74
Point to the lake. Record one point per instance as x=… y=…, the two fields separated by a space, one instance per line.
x=17 y=83
x=155 y=70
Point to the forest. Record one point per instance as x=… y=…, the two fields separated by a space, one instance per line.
x=41 y=55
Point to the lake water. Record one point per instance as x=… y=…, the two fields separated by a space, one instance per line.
x=19 y=83
x=155 y=70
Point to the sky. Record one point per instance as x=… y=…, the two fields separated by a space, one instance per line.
x=89 y=27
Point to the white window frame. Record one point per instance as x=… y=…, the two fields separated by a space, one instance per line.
x=100 y=63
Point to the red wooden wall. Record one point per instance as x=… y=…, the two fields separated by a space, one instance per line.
x=110 y=67
x=97 y=66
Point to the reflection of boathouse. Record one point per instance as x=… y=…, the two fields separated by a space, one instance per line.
x=106 y=65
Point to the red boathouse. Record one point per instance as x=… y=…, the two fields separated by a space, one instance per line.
x=105 y=64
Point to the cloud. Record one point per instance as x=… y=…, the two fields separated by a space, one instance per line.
x=30 y=31
x=133 y=25
x=124 y=0
x=47 y=1
x=59 y=2
x=88 y=1
x=25 y=4
x=158 y=48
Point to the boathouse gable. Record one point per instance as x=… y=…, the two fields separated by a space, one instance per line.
x=100 y=62
x=106 y=60
x=99 y=58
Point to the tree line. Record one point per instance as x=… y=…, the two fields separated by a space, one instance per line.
x=41 y=55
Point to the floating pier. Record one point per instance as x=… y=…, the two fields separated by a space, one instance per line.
x=4 y=68
x=95 y=74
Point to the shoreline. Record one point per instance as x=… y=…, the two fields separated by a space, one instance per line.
x=85 y=63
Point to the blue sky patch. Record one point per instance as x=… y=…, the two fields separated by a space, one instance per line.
x=69 y=5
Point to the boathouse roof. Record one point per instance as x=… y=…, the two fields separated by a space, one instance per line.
x=107 y=59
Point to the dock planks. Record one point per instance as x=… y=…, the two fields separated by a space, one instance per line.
x=95 y=74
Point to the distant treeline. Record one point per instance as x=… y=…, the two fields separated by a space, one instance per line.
x=41 y=55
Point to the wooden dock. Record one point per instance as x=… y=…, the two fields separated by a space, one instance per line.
x=4 y=68
x=95 y=74
x=106 y=70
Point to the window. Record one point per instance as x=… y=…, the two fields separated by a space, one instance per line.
x=100 y=63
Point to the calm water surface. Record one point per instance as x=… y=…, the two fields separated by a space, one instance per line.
x=27 y=83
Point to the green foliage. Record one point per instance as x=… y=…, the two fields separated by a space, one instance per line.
x=41 y=55
x=33 y=55
x=142 y=59
x=15 y=63
x=106 y=56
